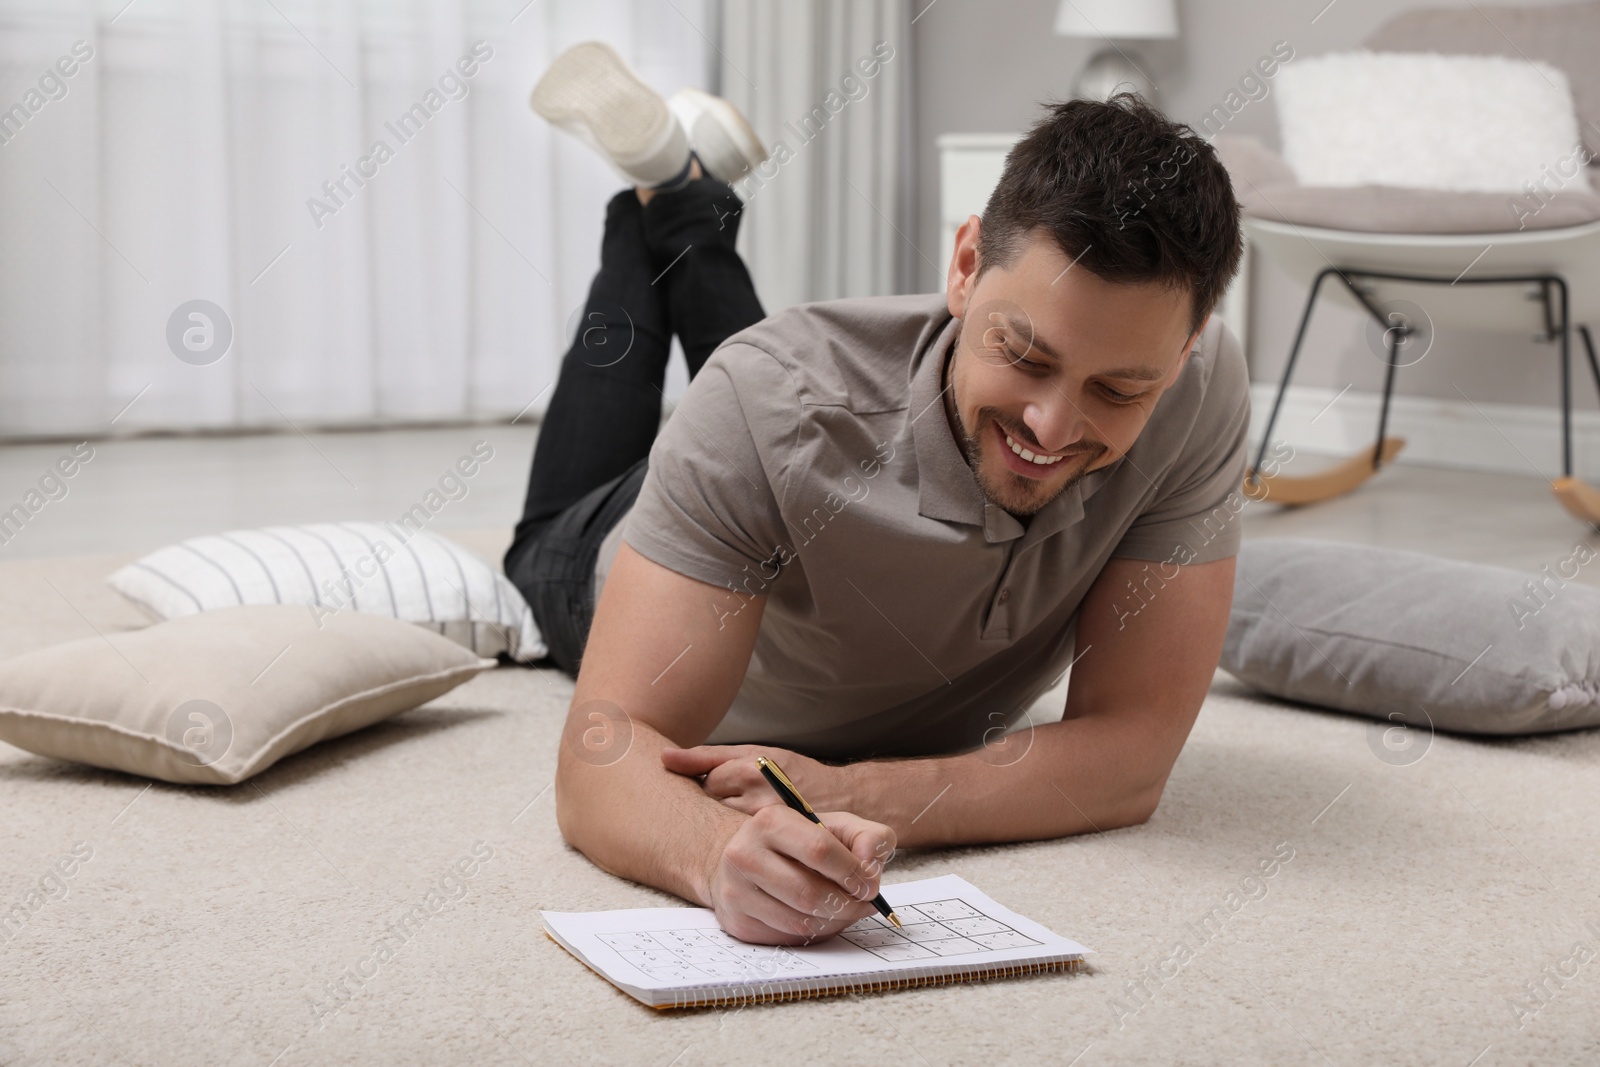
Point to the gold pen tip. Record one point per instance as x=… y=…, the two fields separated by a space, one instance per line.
x=894 y=919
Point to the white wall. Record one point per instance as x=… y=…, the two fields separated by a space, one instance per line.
x=984 y=66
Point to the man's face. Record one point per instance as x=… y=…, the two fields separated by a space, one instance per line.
x=1055 y=361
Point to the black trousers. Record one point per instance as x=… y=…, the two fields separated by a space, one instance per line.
x=666 y=267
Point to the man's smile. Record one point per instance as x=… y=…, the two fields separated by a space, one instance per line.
x=1022 y=459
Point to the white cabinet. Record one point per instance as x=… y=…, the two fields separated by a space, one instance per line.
x=969 y=169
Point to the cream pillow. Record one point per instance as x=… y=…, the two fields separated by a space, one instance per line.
x=214 y=698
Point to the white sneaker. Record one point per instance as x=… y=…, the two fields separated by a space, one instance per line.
x=592 y=93
x=722 y=138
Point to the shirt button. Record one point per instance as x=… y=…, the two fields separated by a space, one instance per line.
x=1005 y=594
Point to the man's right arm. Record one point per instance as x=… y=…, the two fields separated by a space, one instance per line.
x=665 y=657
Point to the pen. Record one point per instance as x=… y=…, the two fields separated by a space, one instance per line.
x=791 y=796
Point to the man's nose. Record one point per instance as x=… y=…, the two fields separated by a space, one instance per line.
x=1057 y=423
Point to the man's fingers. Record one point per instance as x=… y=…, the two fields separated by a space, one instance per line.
x=793 y=897
x=870 y=843
x=818 y=847
x=741 y=802
x=726 y=773
x=770 y=920
x=739 y=778
x=697 y=760
x=784 y=879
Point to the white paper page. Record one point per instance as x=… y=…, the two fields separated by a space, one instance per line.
x=948 y=925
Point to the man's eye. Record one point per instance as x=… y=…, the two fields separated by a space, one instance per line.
x=1017 y=361
x=1120 y=398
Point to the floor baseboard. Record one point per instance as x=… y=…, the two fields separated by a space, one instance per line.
x=1461 y=434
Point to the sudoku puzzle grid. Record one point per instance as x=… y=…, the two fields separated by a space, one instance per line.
x=935 y=928
x=694 y=955
x=931 y=930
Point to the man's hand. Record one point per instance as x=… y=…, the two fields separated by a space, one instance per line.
x=782 y=879
x=730 y=775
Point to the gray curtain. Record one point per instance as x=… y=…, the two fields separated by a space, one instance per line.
x=826 y=83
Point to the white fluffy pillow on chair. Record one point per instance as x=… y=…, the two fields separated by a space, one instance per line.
x=1421 y=120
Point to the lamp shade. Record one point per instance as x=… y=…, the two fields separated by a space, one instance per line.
x=1117 y=18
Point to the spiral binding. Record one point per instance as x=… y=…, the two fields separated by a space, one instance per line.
x=875 y=986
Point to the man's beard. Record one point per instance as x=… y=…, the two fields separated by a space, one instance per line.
x=1017 y=494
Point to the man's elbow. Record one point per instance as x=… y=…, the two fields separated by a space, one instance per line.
x=1135 y=809
x=566 y=823
x=569 y=807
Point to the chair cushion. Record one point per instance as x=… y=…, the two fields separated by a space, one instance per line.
x=1410 y=638
x=1386 y=209
x=1266 y=189
x=1563 y=35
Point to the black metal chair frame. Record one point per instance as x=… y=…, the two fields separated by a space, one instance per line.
x=1558 y=328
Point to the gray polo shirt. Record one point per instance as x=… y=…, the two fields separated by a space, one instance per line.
x=811 y=460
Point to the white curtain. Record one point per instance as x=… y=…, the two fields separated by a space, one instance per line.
x=185 y=160
x=827 y=84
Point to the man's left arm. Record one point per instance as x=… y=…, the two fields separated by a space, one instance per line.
x=1133 y=696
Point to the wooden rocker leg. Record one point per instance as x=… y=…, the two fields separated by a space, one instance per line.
x=1581 y=500
x=1327 y=484
x=1348 y=474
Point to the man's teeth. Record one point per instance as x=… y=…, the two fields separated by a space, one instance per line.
x=1043 y=461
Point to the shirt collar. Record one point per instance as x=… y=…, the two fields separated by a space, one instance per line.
x=946 y=487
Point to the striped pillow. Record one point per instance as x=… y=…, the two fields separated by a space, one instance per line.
x=331 y=567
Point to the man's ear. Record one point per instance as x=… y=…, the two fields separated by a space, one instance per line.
x=962 y=273
x=1194 y=339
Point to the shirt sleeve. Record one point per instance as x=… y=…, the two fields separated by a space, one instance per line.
x=709 y=505
x=1195 y=516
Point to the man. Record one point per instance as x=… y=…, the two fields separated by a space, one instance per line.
x=874 y=531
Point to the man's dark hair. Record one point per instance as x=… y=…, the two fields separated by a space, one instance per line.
x=1126 y=193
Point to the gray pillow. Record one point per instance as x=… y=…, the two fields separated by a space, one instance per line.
x=1414 y=639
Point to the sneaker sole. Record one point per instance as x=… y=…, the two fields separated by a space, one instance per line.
x=590 y=91
x=728 y=146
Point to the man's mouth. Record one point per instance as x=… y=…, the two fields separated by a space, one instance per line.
x=1024 y=460
x=1028 y=454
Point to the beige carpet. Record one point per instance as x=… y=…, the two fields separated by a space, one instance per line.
x=210 y=925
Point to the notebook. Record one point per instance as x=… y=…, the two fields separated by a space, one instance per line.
x=682 y=958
